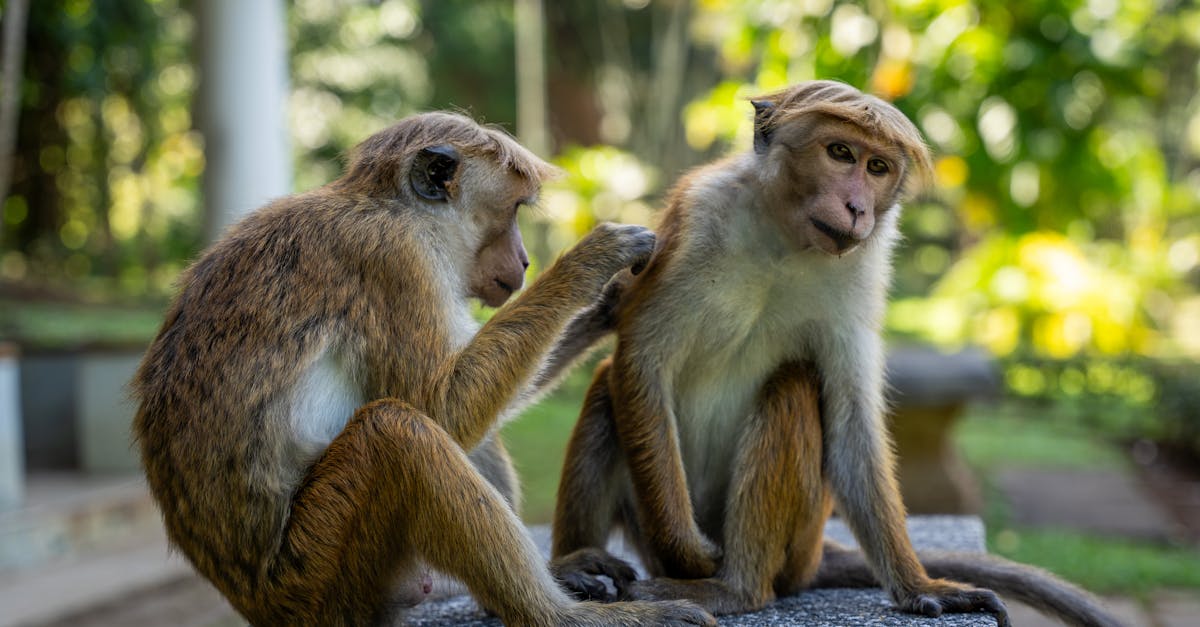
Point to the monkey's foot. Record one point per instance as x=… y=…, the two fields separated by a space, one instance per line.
x=714 y=594
x=579 y=573
x=697 y=558
x=669 y=614
x=943 y=596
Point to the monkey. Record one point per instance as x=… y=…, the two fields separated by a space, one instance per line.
x=745 y=393
x=317 y=415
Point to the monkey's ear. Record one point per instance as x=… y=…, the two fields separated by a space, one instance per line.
x=432 y=170
x=762 y=132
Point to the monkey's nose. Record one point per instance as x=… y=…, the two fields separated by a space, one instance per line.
x=855 y=209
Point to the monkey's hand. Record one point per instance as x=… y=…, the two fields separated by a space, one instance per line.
x=938 y=596
x=608 y=249
x=602 y=314
x=579 y=573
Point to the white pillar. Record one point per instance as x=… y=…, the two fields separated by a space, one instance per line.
x=243 y=107
x=12 y=454
x=530 y=35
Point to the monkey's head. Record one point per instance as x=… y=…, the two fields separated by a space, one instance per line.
x=465 y=181
x=833 y=161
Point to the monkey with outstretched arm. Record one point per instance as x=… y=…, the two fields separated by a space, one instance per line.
x=317 y=417
x=745 y=394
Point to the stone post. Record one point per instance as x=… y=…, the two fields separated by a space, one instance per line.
x=12 y=457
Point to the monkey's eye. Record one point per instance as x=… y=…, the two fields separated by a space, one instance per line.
x=878 y=167
x=840 y=152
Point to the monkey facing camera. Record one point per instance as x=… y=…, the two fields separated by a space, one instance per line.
x=317 y=417
x=745 y=394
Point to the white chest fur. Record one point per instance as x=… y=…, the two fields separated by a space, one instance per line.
x=740 y=336
x=322 y=402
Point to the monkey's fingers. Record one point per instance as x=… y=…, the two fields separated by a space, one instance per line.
x=959 y=601
x=579 y=573
x=616 y=569
x=586 y=587
x=639 y=243
x=610 y=297
x=684 y=614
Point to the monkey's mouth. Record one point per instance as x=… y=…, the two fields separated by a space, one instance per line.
x=504 y=287
x=497 y=293
x=842 y=241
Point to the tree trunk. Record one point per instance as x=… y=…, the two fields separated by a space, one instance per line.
x=11 y=60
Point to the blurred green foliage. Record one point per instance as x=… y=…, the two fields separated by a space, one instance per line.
x=1062 y=231
x=1067 y=137
x=105 y=182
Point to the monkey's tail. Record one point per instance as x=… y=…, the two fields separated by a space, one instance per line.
x=844 y=568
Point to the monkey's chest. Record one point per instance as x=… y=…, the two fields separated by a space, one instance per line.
x=715 y=392
x=729 y=342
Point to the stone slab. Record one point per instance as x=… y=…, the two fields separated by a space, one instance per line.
x=818 y=608
x=144 y=586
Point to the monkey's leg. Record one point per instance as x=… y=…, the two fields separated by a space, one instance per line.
x=777 y=504
x=393 y=488
x=491 y=459
x=861 y=470
x=593 y=483
x=650 y=441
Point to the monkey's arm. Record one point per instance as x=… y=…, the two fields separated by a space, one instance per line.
x=581 y=335
x=487 y=375
x=860 y=467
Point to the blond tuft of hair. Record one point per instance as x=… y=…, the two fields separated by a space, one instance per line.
x=872 y=114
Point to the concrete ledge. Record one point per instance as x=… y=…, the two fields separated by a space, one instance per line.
x=822 y=608
x=141 y=585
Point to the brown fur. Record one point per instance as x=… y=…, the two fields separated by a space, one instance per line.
x=355 y=294
x=745 y=393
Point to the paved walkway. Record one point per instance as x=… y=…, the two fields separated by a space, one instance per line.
x=1104 y=502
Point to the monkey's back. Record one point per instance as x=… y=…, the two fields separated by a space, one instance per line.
x=260 y=306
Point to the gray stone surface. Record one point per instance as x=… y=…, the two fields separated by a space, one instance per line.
x=924 y=377
x=1177 y=608
x=819 y=608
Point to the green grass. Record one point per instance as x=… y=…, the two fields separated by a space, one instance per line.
x=1009 y=436
x=59 y=325
x=1103 y=565
x=537 y=441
